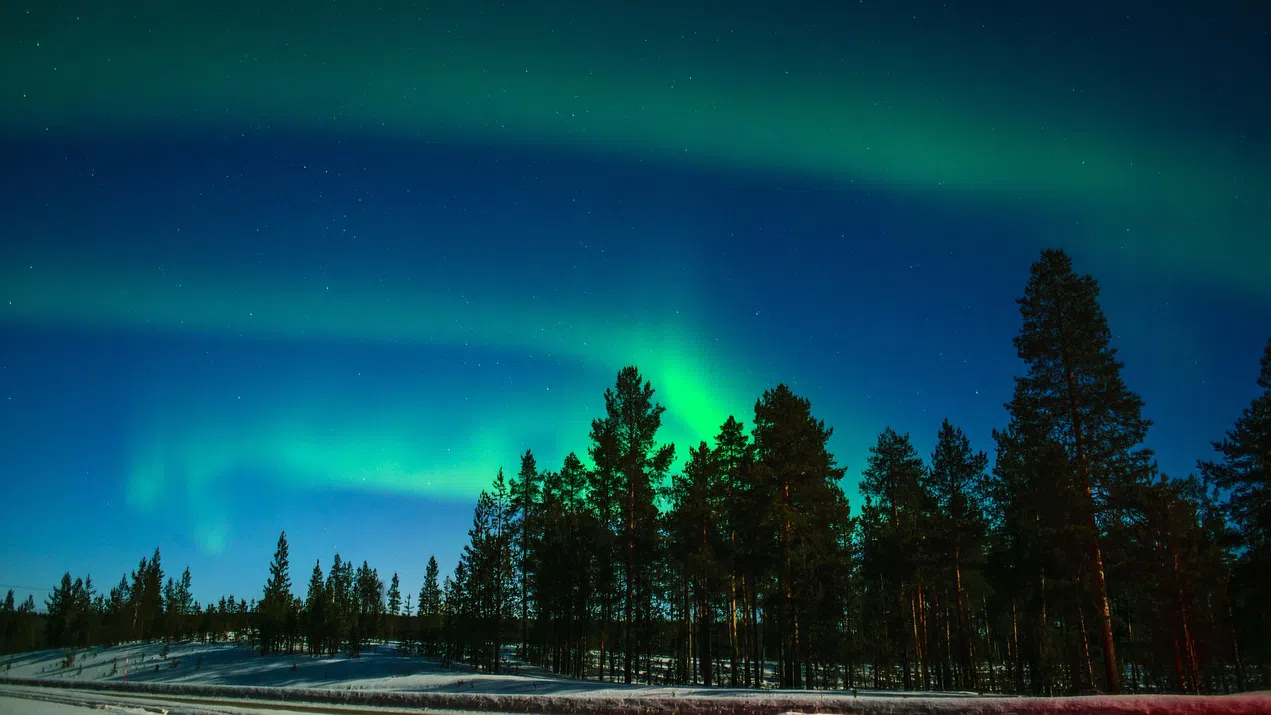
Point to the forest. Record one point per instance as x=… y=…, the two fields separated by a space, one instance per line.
x=1067 y=563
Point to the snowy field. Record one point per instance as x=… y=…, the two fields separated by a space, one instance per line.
x=381 y=678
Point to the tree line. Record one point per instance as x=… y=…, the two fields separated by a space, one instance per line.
x=1070 y=565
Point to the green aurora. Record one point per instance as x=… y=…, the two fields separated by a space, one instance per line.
x=950 y=128
x=952 y=124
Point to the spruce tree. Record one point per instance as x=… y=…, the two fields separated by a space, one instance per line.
x=1072 y=394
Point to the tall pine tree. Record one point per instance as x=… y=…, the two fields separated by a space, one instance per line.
x=525 y=499
x=1072 y=395
x=430 y=609
x=631 y=466
x=316 y=612
x=806 y=519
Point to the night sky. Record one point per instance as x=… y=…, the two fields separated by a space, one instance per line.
x=326 y=266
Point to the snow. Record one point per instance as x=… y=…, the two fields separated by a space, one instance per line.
x=37 y=707
x=382 y=678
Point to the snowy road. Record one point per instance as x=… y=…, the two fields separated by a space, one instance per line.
x=18 y=700
x=36 y=707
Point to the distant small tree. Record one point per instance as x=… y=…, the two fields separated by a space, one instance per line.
x=430 y=609
x=277 y=601
x=394 y=607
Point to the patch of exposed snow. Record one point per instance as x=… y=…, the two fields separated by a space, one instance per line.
x=382 y=678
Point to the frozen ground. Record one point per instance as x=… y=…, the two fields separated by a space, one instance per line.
x=36 y=707
x=381 y=678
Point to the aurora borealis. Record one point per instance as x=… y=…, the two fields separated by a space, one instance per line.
x=357 y=258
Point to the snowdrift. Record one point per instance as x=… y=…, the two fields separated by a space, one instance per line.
x=383 y=679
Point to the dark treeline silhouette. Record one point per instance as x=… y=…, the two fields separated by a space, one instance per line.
x=1070 y=565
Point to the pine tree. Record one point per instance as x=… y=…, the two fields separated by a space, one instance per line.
x=631 y=466
x=368 y=607
x=337 y=602
x=696 y=542
x=893 y=519
x=60 y=607
x=1244 y=474
x=484 y=577
x=316 y=611
x=806 y=519
x=394 y=606
x=430 y=610
x=743 y=502
x=181 y=604
x=394 y=596
x=277 y=601
x=146 y=597
x=525 y=499
x=1073 y=395
x=8 y=624
x=565 y=567
x=954 y=483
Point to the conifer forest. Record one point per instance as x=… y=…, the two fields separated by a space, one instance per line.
x=1058 y=559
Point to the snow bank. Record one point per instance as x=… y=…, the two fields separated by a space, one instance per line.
x=758 y=704
x=386 y=680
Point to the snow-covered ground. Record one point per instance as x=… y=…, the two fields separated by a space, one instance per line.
x=38 y=707
x=380 y=677
x=379 y=668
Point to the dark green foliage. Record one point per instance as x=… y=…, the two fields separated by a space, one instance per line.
x=1072 y=409
x=430 y=610
x=482 y=590
x=1244 y=475
x=629 y=468
x=806 y=518
x=69 y=609
x=955 y=543
x=525 y=505
x=894 y=519
x=394 y=610
x=276 y=617
x=317 y=613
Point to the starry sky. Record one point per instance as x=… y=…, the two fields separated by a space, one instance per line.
x=326 y=266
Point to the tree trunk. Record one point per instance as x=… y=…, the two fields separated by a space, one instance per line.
x=1017 y=664
x=1085 y=648
x=1112 y=674
x=630 y=583
x=967 y=650
x=732 y=627
x=923 y=639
